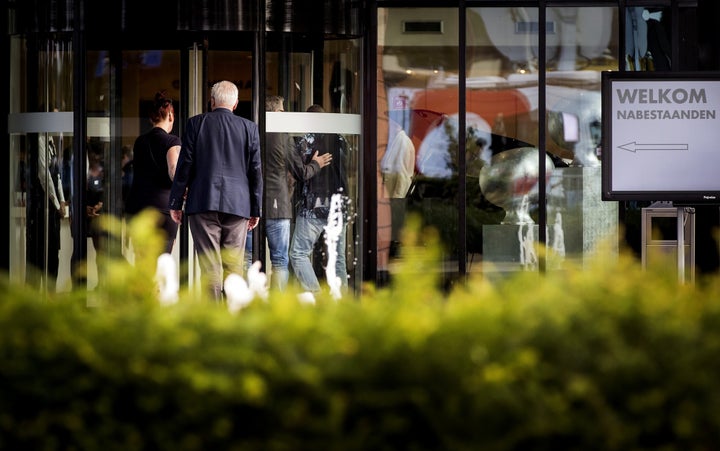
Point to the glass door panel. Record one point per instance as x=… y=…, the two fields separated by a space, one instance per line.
x=578 y=220
x=41 y=143
x=417 y=131
x=502 y=146
x=332 y=83
x=647 y=38
x=145 y=73
x=237 y=67
x=120 y=95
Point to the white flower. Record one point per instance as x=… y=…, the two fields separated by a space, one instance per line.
x=237 y=293
x=166 y=279
x=306 y=298
x=257 y=281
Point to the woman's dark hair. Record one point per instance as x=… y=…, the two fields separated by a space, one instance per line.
x=162 y=107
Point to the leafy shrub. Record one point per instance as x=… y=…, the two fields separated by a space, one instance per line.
x=609 y=357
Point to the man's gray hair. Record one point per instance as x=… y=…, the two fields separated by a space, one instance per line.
x=225 y=94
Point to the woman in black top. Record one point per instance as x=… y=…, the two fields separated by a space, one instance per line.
x=155 y=158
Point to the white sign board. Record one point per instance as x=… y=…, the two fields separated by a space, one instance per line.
x=661 y=137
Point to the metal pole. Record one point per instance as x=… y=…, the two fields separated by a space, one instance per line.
x=681 y=244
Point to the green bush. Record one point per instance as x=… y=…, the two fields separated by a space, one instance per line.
x=604 y=358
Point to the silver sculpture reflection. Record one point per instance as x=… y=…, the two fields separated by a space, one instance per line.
x=511 y=181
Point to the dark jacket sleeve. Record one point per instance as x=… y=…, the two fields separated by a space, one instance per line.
x=255 y=178
x=298 y=168
x=184 y=166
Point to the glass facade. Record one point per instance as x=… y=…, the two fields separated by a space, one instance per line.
x=483 y=121
x=119 y=87
x=499 y=147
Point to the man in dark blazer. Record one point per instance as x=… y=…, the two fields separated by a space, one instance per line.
x=219 y=179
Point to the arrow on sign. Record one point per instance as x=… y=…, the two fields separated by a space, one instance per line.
x=635 y=147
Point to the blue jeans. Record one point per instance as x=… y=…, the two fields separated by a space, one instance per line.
x=307 y=232
x=278 y=237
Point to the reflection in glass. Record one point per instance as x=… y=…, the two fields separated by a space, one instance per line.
x=292 y=75
x=502 y=83
x=578 y=220
x=144 y=73
x=574 y=125
x=41 y=152
x=417 y=133
x=418 y=98
x=647 y=44
x=511 y=181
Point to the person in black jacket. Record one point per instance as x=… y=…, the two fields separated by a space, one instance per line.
x=155 y=156
x=315 y=207
x=282 y=167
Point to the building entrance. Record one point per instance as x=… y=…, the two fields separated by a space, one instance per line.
x=84 y=148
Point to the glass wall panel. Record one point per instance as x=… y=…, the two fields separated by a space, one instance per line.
x=342 y=80
x=583 y=42
x=417 y=130
x=97 y=155
x=236 y=66
x=502 y=144
x=41 y=125
x=144 y=74
x=417 y=159
x=647 y=43
x=295 y=128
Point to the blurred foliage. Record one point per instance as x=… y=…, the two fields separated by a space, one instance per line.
x=608 y=357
